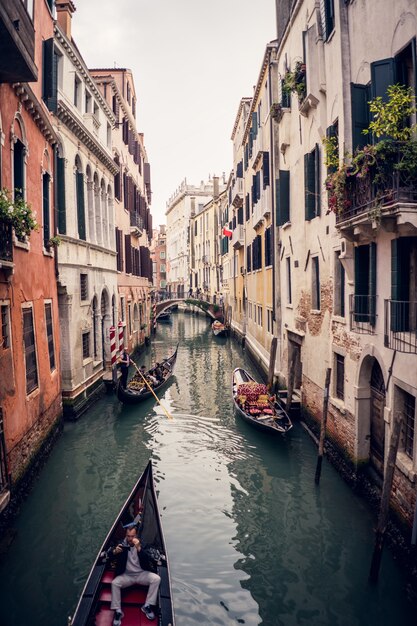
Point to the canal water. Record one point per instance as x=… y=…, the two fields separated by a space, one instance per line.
x=251 y=539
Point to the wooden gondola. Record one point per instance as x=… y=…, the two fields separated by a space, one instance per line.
x=164 y=317
x=93 y=609
x=130 y=395
x=253 y=404
x=219 y=329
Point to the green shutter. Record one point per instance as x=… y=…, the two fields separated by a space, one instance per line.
x=49 y=74
x=372 y=283
x=309 y=185
x=382 y=76
x=400 y=289
x=60 y=183
x=46 y=212
x=80 y=205
x=362 y=274
x=283 y=197
x=317 y=178
x=265 y=169
x=254 y=124
x=360 y=114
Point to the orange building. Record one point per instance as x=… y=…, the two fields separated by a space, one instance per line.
x=30 y=389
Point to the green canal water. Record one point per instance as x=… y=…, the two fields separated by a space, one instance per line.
x=251 y=539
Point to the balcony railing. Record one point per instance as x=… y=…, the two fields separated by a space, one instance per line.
x=261 y=210
x=136 y=221
x=237 y=193
x=238 y=237
x=384 y=184
x=362 y=314
x=6 y=244
x=400 y=326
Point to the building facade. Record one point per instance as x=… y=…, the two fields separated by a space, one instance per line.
x=30 y=380
x=159 y=261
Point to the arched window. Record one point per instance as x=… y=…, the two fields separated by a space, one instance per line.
x=79 y=186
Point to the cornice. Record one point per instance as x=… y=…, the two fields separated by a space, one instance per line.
x=36 y=111
x=79 y=64
x=65 y=115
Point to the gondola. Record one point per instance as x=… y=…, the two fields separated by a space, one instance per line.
x=133 y=396
x=253 y=404
x=219 y=329
x=164 y=317
x=93 y=609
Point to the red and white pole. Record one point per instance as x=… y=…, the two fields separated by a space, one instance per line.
x=121 y=346
x=113 y=351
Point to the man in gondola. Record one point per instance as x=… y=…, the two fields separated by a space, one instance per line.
x=124 y=363
x=133 y=567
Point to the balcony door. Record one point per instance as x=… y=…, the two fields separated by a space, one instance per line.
x=377 y=424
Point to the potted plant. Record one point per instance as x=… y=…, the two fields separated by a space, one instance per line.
x=53 y=242
x=276 y=111
x=17 y=213
x=295 y=80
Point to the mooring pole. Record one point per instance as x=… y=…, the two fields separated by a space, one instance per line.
x=291 y=378
x=272 y=357
x=323 y=425
x=385 y=499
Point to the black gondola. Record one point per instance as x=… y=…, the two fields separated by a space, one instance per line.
x=93 y=608
x=130 y=395
x=253 y=405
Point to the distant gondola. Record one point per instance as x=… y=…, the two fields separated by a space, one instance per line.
x=164 y=317
x=93 y=607
x=130 y=395
x=252 y=403
x=219 y=329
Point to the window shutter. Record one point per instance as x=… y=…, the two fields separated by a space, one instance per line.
x=327 y=17
x=382 y=76
x=240 y=215
x=265 y=169
x=46 y=209
x=258 y=185
x=239 y=170
x=60 y=182
x=249 y=258
x=80 y=205
x=128 y=254
x=247 y=206
x=372 y=283
x=400 y=272
x=246 y=157
x=283 y=197
x=360 y=114
x=49 y=77
x=362 y=274
x=255 y=124
x=285 y=96
x=309 y=182
x=268 y=259
x=317 y=178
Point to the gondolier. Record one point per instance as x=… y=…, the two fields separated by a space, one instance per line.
x=124 y=363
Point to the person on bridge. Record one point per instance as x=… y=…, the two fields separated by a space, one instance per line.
x=124 y=363
x=134 y=566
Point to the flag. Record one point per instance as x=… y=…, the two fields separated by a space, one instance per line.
x=227 y=232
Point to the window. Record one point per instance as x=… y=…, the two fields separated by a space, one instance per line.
x=268 y=247
x=282 y=195
x=77 y=91
x=289 y=286
x=364 y=307
x=260 y=315
x=327 y=17
x=108 y=135
x=249 y=258
x=79 y=185
x=265 y=169
x=86 y=345
x=312 y=183
x=50 y=60
x=340 y=376
x=18 y=170
x=269 y=314
x=84 y=286
x=406 y=404
x=122 y=309
x=162 y=254
x=5 y=327
x=257 y=253
x=50 y=334
x=88 y=101
x=403 y=284
x=46 y=209
x=30 y=351
x=129 y=313
x=60 y=193
x=339 y=287
x=162 y=268
x=315 y=284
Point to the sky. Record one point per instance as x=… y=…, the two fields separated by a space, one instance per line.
x=192 y=62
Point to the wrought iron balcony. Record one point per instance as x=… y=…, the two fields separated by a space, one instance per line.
x=6 y=245
x=400 y=326
x=136 y=222
x=237 y=193
x=385 y=188
x=17 y=49
x=362 y=314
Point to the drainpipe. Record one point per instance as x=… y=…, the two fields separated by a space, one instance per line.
x=275 y=241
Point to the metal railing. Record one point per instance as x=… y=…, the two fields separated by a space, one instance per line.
x=362 y=313
x=238 y=237
x=400 y=325
x=385 y=183
x=6 y=243
x=136 y=221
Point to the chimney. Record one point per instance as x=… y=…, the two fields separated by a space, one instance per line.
x=64 y=11
x=215 y=186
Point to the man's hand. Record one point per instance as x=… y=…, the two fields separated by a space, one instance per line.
x=136 y=543
x=118 y=549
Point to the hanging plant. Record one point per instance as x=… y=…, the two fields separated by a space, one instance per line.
x=295 y=80
x=17 y=213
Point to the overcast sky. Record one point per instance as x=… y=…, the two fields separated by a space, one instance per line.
x=192 y=62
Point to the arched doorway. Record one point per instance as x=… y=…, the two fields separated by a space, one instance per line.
x=377 y=424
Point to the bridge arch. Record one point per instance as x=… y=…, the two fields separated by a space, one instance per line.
x=215 y=311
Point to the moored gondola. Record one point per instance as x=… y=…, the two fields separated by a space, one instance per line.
x=253 y=404
x=136 y=389
x=141 y=510
x=219 y=329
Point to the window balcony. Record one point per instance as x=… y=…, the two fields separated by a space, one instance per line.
x=237 y=193
x=400 y=326
x=261 y=211
x=362 y=314
x=384 y=195
x=6 y=247
x=136 y=224
x=238 y=237
x=17 y=37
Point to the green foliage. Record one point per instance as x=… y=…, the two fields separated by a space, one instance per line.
x=295 y=81
x=390 y=118
x=55 y=241
x=331 y=148
x=17 y=213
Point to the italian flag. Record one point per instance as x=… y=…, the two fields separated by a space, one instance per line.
x=227 y=232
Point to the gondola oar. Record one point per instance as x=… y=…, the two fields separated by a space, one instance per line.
x=151 y=390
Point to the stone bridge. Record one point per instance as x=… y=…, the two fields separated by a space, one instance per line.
x=215 y=311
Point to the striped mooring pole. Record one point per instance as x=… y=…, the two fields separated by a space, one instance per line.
x=120 y=327
x=113 y=350
x=154 y=316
